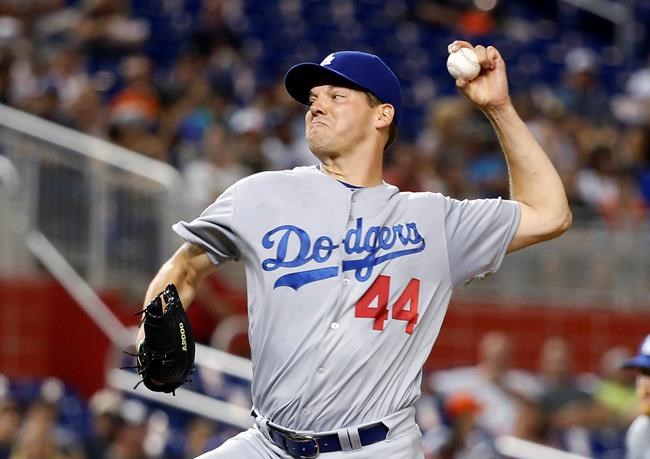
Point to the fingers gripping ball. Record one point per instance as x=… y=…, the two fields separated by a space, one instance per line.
x=463 y=64
x=166 y=355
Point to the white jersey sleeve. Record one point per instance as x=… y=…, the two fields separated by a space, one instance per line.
x=214 y=229
x=637 y=440
x=478 y=233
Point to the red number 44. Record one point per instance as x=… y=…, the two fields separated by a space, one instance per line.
x=374 y=304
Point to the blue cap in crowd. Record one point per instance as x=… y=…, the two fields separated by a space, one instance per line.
x=346 y=68
x=642 y=360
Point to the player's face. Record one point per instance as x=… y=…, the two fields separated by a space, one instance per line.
x=338 y=120
x=643 y=392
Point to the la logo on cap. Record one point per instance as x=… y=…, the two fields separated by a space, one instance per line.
x=328 y=60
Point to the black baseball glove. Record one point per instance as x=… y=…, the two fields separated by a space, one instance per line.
x=165 y=357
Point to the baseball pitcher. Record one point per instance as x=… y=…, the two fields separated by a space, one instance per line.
x=348 y=278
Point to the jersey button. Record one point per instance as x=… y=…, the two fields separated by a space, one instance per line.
x=305 y=411
x=321 y=370
x=346 y=281
x=334 y=326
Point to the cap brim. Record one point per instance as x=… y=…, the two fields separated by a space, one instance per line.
x=640 y=361
x=301 y=78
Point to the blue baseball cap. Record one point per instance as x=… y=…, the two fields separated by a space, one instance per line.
x=642 y=360
x=346 y=68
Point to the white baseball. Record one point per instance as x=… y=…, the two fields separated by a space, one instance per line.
x=463 y=64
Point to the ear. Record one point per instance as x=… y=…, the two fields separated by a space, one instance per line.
x=385 y=115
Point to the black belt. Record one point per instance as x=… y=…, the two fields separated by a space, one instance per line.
x=310 y=446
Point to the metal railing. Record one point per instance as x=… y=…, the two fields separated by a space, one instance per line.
x=106 y=209
x=68 y=203
x=123 y=338
x=589 y=265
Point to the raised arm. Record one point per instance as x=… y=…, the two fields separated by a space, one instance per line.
x=185 y=269
x=534 y=182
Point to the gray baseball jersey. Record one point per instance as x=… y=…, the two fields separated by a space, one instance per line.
x=347 y=288
x=637 y=440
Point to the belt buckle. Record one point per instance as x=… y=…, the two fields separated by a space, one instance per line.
x=305 y=438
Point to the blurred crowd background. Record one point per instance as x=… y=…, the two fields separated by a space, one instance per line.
x=198 y=84
x=462 y=411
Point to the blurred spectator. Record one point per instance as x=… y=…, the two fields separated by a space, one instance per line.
x=441 y=143
x=638 y=85
x=407 y=169
x=11 y=30
x=36 y=442
x=568 y=408
x=41 y=437
x=466 y=17
x=464 y=438
x=230 y=76
x=249 y=125
x=615 y=390
x=531 y=423
x=28 y=68
x=46 y=103
x=548 y=122
x=67 y=73
x=632 y=107
x=129 y=442
x=582 y=93
x=105 y=408
x=10 y=420
x=284 y=149
x=222 y=71
x=106 y=32
x=597 y=184
x=486 y=167
x=88 y=114
x=641 y=152
x=186 y=72
x=216 y=169
x=605 y=187
x=499 y=389
x=213 y=30
x=452 y=174
x=615 y=401
x=445 y=125
x=139 y=93
x=131 y=130
x=187 y=119
x=431 y=418
x=135 y=110
x=559 y=383
x=198 y=436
